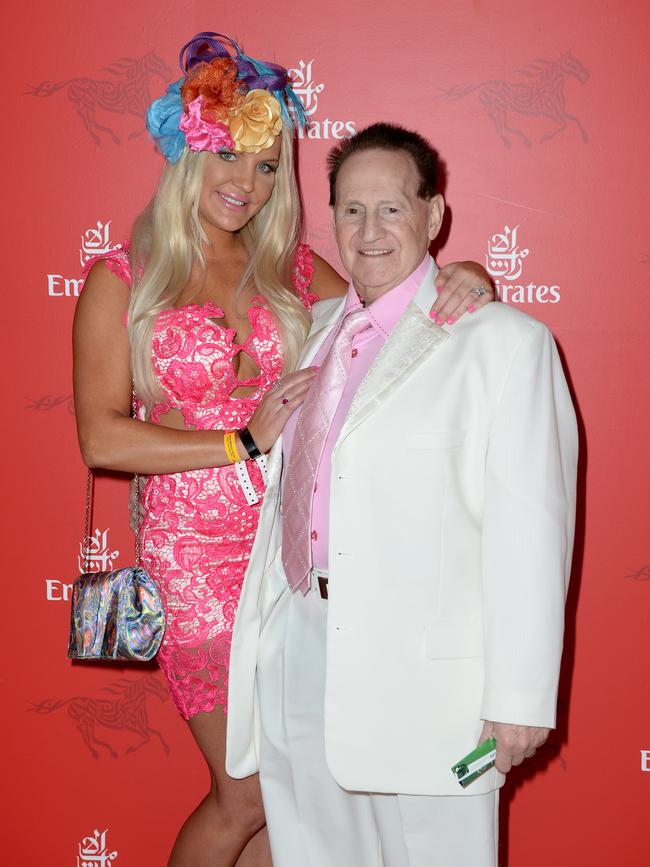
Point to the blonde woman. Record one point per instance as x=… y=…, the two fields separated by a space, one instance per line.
x=215 y=291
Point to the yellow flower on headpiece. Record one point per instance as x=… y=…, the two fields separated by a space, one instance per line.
x=255 y=124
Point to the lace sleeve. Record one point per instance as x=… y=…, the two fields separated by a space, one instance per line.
x=117 y=260
x=303 y=271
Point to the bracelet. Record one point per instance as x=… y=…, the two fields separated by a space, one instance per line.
x=231 y=447
x=246 y=484
x=248 y=442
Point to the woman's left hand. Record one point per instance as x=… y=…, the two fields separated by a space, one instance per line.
x=456 y=283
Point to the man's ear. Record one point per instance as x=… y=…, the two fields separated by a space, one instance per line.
x=436 y=213
x=332 y=218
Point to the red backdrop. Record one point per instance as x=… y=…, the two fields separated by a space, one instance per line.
x=540 y=111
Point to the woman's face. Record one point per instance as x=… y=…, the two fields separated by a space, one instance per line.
x=236 y=186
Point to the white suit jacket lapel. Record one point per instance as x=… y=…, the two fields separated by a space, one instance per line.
x=412 y=341
x=325 y=315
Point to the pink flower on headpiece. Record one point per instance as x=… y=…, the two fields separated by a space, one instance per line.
x=201 y=135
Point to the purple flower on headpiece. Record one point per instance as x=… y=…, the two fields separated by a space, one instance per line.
x=201 y=135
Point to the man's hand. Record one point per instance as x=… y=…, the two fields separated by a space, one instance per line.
x=514 y=743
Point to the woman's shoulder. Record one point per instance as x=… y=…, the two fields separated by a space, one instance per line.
x=303 y=273
x=314 y=278
x=117 y=261
x=106 y=288
x=326 y=282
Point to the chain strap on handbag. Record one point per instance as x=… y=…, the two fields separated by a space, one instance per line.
x=116 y=615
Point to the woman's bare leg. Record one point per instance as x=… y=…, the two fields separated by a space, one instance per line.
x=229 y=816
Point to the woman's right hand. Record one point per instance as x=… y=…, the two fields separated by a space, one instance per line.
x=277 y=405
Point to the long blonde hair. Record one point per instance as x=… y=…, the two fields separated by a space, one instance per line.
x=167 y=240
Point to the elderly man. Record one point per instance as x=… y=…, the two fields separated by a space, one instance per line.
x=405 y=595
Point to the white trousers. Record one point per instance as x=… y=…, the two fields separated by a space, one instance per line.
x=312 y=821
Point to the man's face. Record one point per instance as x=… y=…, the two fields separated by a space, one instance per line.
x=383 y=229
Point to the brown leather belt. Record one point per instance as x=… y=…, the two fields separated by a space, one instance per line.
x=319 y=578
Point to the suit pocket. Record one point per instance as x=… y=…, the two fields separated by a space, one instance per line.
x=435 y=439
x=453 y=639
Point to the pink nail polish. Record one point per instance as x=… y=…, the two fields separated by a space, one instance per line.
x=440 y=321
x=471 y=308
x=432 y=314
x=451 y=320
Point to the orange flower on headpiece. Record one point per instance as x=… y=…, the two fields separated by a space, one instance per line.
x=255 y=124
x=217 y=83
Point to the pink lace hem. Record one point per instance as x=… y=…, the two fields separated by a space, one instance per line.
x=197 y=677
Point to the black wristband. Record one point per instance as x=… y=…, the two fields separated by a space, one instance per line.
x=249 y=443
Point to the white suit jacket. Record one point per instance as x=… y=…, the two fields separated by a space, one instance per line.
x=451 y=530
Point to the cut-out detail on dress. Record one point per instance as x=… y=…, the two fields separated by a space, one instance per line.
x=197 y=528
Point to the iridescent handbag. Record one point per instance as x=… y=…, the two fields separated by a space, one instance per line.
x=115 y=615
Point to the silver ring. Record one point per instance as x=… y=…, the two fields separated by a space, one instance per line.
x=276 y=384
x=479 y=291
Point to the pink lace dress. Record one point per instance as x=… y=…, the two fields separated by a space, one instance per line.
x=198 y=529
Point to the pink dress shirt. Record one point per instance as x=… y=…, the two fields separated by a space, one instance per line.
x=383 y=315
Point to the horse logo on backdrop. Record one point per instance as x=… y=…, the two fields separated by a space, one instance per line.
x=504 y=261
x=125 y=92
x=304 y=87
x=95 y=554
x=93 y=851
x=48 y=402
x=127 y=711
x=96 y=242
x=640 y=574
x=541 y=96
x=504 y=258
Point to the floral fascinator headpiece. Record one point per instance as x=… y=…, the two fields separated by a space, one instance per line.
x=225 y=101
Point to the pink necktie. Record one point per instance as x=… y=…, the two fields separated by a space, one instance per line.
x=309 y=438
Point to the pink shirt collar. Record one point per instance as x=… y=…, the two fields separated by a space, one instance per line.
x=387 y=309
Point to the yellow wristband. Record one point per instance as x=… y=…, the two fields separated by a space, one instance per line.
x=231 y=447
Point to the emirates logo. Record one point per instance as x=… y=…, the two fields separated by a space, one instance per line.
x=93 y=851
